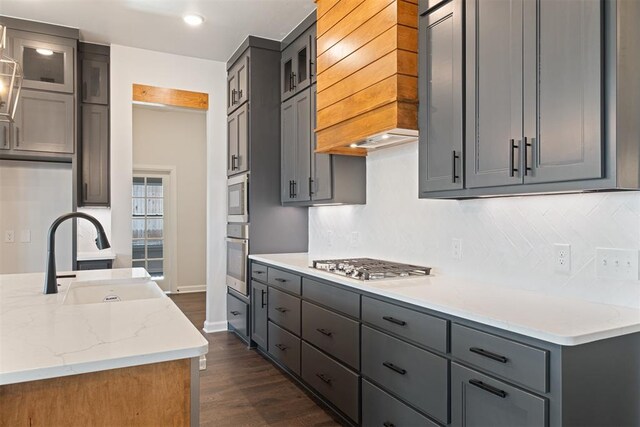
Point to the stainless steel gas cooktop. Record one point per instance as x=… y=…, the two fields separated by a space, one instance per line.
x=370 y=269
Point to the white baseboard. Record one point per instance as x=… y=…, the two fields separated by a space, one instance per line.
x=189 y=289
x=210 y=327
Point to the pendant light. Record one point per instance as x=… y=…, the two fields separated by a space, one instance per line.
x=10 y=81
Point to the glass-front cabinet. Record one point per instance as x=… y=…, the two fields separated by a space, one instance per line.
x=47 y=61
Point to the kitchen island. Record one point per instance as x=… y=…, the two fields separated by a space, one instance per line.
x=129 y=357
x=439 y=350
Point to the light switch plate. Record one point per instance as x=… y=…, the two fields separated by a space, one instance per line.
x=621 y=264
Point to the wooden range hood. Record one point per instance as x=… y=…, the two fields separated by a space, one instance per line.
x=367 y=82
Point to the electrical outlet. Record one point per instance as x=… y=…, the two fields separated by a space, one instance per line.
x=563 y=258
x=621 y=264
x=9 y=236
x=25 y=236
x=456 y=248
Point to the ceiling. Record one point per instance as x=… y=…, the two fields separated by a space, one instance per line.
x=158 y=25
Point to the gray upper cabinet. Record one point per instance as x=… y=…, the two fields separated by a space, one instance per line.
x=563 y=77
x=321 y=185
x=44 y=122
x=47 y=61
x=259 y=314
x=238 y=83
x=95 y=156
x=95 y=81
x=5 y=136
x=296 y=65
x=296 y=148
x=440 y=87
x=238 y=141
x=494 y=92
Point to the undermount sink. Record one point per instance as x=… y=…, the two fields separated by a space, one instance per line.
x=110 y=291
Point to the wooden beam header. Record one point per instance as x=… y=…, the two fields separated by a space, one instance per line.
x=171 y=97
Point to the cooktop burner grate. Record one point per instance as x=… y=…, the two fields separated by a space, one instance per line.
x=370 y=269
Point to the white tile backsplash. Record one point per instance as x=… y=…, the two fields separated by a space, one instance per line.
x=507 y=241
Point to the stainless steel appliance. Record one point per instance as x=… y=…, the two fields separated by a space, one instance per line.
x=370 y=269
x=237 y=197
x=237 y=253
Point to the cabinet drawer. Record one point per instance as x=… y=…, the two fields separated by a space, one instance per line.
x=419 y=327
x=284 y=309
x=333 y=297
x=259 y=272
x=379 y=408
x=335 y=382
x=284 y=280
x=237 y=315
x=415 y=375
x=511 y=360
x=479 y=400
x=331 y=332
x=285 y=347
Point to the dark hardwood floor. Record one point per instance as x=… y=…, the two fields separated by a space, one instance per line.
x=242 y=388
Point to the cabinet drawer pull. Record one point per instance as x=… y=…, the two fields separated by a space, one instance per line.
x=281 y=309
x=324 y=378
x=278 y=279
x=512 y=162
x=324 y=332
x=17 y=136
x=394 y=320
x=259 y=272
x=388 y=424
x=282 y=347
x=394 y=368
x=488 y=388
x=454 y=161
x=235 y=313
x=489 y=354
x=527 y=145
x=262 y=301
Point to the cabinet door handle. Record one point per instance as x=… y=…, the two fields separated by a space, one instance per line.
x=291 y=189
x=324 y=332
x=310 y=186
x=454 y=161
x=487 y=387
x=394 y=368
x=262 y=301
x=17 y=136
x=234 y=162
x=527 y=146
x=488 y=354
x=293 y=80
x=394 y=320
x=295 y=189
x=281 y=347
x=281 y=309
x=235 y=313
x=233 y=97
x=388 y=424
x=512 y=162
x=324 y=378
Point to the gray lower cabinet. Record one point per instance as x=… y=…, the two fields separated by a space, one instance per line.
x=238 y=140
x=95 y=163
x=44 y=122
x=284 y=310
x=334 y=381
x=259 y=313
x=441 y=89
x=414 y=375
x=237 y=316
x=285 y=347
x=479 y=400
x=379 y=408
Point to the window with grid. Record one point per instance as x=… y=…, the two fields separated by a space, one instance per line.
x=147 y=212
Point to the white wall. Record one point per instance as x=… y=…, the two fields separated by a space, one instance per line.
x=177 y=138
x=129 y=66
x=32 y=196
x=507 y=241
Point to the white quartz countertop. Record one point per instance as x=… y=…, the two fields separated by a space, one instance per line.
x=554 y=319
x=42 y=338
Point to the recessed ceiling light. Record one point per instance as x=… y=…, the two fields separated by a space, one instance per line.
x=45 y=52
x=193 y=20
x=353 y=145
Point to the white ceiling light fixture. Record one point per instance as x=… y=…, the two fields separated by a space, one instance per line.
x=10 y=81
x=44 y=52
x=193 y=19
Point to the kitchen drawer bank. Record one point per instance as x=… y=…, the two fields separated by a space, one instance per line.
x=443 y=369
